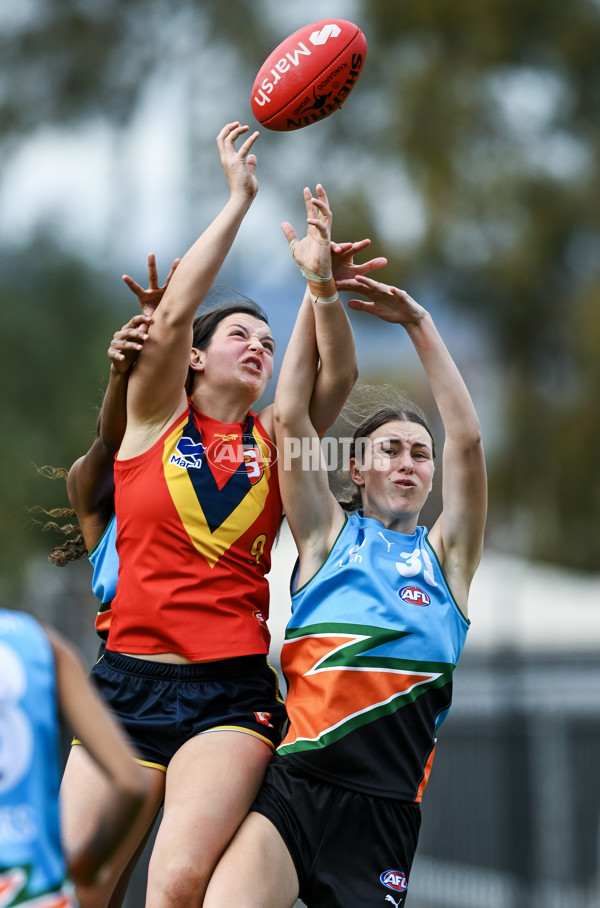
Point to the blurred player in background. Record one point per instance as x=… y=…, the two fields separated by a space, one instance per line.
x=41 y=676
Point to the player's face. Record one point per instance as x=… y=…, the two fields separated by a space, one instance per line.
x=241 y=350
x=395 y=472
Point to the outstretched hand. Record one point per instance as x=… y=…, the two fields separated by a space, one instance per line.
x=127 y=342
x=150 y=298
x=344 y=267
x=387 y=303
x=239 y=164
x=313 y=252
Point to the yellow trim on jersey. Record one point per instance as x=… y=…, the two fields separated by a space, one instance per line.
x=137 y=759
x=211 y=545
x=150 y=764
x=245 y=731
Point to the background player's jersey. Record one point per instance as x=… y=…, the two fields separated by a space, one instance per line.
x=32 y=867
x=197 y=515
x=368 y=655
x=105 y=562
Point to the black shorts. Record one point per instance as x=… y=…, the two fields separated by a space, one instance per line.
x=161 y=705
x=349 y=848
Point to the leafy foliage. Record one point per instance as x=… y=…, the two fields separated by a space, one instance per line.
x=55 y=329
x=470 y=153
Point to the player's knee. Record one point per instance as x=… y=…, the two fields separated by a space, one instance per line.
x=180 y=885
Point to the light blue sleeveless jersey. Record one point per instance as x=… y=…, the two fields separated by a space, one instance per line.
x=368 y=655
x=31 y=858
x=105 y=562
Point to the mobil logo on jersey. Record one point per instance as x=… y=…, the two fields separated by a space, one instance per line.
x=414 y=595
x=395 y=880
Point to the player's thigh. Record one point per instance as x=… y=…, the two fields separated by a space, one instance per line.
x=211 y=782
x=255 y=870
x=84 y=790
x=83 y=793
x=83 y=796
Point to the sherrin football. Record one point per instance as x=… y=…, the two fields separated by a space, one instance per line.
x=309 y=75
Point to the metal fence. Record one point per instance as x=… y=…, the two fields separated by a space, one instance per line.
x=511 y=815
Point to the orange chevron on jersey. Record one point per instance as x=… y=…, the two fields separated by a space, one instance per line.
x=321 y=712
x=13 y=881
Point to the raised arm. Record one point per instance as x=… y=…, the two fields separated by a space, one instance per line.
x=336 y=372
x=89 y=718
x=90 y=483
x=338 y=369
x=157 y=387
x=457 y=536
x=317 y=374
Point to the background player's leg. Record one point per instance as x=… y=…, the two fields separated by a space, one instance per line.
x=83 y=795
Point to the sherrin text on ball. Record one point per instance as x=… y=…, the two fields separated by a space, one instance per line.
x=309 y=75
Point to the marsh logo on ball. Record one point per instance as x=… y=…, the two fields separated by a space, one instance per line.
x=309 y=75
x=322 y=36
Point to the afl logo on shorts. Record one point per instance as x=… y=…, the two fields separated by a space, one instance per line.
x=414 y=595
x=395 y=880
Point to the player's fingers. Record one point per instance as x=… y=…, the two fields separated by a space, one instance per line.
x=361 y=305
x=321 y=193
x=322 y=206
x=289 y=233
x=127 y=345
x=372 y=265
x=248 y=143
x=360 y=245
x=152 y=272
x=308 y=196
x=323 y=228
x=133 y=285
x=134 y=325
x=226 y=131
x=251 y=162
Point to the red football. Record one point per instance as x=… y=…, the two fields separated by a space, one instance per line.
x=309 y=75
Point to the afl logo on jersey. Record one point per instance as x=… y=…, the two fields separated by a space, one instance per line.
x=414 y=595
x=394 y=879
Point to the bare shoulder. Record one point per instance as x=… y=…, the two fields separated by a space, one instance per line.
x=141 y=434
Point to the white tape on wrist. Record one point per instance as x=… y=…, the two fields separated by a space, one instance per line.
x=327 y=299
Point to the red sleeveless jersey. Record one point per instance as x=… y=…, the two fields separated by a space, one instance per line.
x=197 y=515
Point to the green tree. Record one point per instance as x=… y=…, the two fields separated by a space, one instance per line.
x=56 y=324
x=469 y=152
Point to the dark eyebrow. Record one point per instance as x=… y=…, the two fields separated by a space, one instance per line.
x=268 y=336
x=388 y=440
